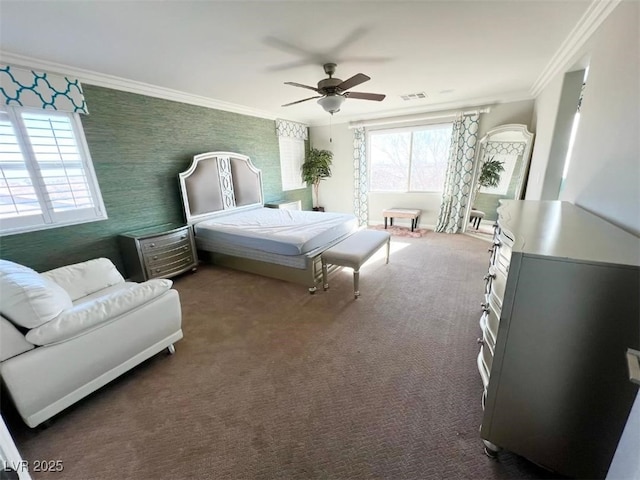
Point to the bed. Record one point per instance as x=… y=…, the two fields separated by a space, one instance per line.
x=223 y=201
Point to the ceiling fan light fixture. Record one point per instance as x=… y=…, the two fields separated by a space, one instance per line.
x=331 y=103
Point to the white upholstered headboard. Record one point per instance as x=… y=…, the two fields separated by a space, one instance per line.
x=217 y=183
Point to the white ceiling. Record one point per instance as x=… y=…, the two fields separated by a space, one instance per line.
x=460 y=53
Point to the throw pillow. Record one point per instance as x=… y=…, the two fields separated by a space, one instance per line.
x=27 y=298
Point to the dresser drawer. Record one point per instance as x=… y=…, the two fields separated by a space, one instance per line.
x=164 y=241
x=168 y=254
x=493 y=322
x=498 y=284
x=487 y=357
x=489 y=329
x=172 y=268
x=483 y=370
x=158 y=252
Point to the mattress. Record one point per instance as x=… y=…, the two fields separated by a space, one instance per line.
x=282 y=232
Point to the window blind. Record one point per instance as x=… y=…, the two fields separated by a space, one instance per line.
x=291 y=137
x=291 y=159
x=47 y=176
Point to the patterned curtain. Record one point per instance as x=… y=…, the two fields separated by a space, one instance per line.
x=459 y=177
x=285 y=128
x=27 y=88
x=360 y=198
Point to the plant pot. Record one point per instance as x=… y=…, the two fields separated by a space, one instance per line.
x=318 y=209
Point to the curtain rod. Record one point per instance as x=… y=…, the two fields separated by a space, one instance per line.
x=416 y=117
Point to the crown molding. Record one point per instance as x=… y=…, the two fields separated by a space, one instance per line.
x=449 y=108
x=131 y=86
x=595 y=14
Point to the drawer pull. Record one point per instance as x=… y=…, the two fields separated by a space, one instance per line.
x=182 y=237
x=480 y=341
x=158 y=270
x=152 y=245
x=155 y=257
x=185 y=248
x=489 y=276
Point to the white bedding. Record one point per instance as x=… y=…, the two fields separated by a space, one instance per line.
x=284 y=232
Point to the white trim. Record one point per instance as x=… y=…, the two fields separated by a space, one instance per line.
x=597 y=12
x=440 y=108
x=441 y=116
x=132 y=86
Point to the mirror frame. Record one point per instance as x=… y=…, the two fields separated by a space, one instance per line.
x=527 y=137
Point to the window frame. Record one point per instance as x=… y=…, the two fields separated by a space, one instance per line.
x=48 y=218
x=402 y=129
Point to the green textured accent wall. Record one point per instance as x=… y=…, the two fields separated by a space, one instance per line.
x=139 y=144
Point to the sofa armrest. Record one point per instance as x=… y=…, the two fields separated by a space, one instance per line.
x=12 y=341
x=84 y=278
x=88 y=316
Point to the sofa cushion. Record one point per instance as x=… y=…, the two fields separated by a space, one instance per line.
x=87 y=316
x=12 y=341
x=27 y=298
x=84 y=278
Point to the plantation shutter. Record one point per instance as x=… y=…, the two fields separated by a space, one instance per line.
x=291 y=139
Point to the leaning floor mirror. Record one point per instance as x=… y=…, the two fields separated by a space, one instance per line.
x=502 y=166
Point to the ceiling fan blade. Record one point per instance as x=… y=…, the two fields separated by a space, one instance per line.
x=378 y=97
x=357 y=79
x=294 y=84
x=300 y=101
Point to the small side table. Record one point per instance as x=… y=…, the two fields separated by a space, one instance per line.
x=475 y=217
x=411 y=213
x=161 y=251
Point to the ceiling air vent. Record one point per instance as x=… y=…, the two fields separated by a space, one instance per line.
x=414 y=96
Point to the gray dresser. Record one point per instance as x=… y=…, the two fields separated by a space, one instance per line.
x=561 y=307
x=158 y=252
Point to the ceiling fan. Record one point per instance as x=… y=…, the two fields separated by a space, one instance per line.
x=333 y=91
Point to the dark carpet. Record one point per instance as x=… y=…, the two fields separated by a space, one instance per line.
x=271 y=382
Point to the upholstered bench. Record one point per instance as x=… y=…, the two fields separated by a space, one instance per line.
x=475 y=217
x=412 y=213
x=353 y=252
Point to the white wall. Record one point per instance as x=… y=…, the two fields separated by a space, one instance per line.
x=544 y=121
x=604 y=173
x=336 y=193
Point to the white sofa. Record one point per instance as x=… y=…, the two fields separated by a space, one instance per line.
x=69 y=331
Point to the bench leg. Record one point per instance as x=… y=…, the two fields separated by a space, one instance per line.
x=388 y=251
x=325 y=282
x=356 y=284
x=413 y=223
x=391 y=221
x=385 y=223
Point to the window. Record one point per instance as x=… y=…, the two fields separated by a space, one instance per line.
x=409 y=159
x=291 y=160
x=47 y=179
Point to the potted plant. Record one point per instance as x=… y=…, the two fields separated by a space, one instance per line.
x=316 y=167
x=489 y=175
